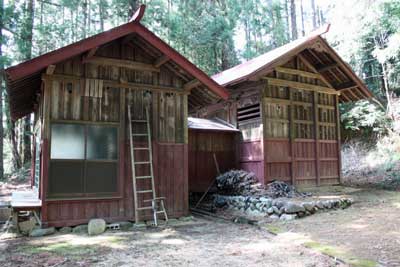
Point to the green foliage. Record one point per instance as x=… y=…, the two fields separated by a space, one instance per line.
x=365 y=117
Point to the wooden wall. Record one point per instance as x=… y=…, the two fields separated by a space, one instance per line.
x=203 y=144
x=301 y=140
x=296 y=137
x=93 y=93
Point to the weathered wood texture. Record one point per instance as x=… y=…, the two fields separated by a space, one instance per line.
x=202 y=146
x=85 y=93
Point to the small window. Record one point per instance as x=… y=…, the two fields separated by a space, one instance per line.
x=84 y=160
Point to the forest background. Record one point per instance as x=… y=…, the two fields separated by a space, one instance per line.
x=216 y=35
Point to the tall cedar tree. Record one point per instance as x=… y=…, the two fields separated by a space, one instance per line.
x=293 y=19
x=27 y=37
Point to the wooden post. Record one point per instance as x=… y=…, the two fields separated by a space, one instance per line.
x=316 y=138
x=291 y=137
x=263 y=94
x=339 y=145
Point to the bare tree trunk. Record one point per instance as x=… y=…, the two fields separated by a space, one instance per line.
x=16 y=158
x=85 y=18
x=293 y=19
x=314 y=14
x=386 y=89
x=27 y=38
x=303 y=32
x=287 y=19
x=1 y=90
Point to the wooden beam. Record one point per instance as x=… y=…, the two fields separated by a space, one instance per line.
x=316 y=138
x=117 y=84
x=302 y=73
x=327 y=67
x=302 y=86
x=160 y=61
x=339 y=149
x=129 y=64
x=190 y=85
x=50 y=69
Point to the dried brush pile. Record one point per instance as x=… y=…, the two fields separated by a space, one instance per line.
x=240 y=182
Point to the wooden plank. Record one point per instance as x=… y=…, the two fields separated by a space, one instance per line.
x=303 y=86
x=122 y=63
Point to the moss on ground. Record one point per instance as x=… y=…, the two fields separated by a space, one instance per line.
x=338 y=253
x=62 y=249
x=273 y=229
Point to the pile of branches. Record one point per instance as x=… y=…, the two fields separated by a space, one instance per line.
x=240 y=182
x=277 y=189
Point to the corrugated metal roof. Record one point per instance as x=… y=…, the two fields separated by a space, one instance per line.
x=210 y=124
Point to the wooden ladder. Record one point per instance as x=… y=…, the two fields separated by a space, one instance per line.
x=157 y=203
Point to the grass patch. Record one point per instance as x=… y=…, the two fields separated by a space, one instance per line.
x=337 y=253
x=62 y=249
x=274 y=229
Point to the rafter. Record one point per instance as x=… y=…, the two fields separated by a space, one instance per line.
x=311 y=66
x=160 y=61
x=190 y=85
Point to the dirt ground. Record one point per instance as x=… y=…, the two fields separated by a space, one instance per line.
x=368 y=231
x=200 y=243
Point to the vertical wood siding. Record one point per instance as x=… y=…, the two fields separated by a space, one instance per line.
x=202 y=146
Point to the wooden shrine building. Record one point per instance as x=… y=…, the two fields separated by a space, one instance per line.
x=285 y=103
x=79 y=95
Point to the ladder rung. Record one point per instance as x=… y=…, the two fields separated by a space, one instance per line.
x=160 y=211
x=144 y=191
x=143 y=177
x=140 y=134
x=138 y=121
x=142 y=162
x=140 y=148
x=145 y=208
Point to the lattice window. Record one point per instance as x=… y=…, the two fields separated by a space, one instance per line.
x=248 y=113
x=303 y=121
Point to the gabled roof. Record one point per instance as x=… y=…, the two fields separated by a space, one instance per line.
x=277 y=57
x=23 y=80
x=210 y=124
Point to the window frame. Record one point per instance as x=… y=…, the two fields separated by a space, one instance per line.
x=85 y=195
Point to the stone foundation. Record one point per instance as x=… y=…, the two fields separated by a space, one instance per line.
x=283 y=208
